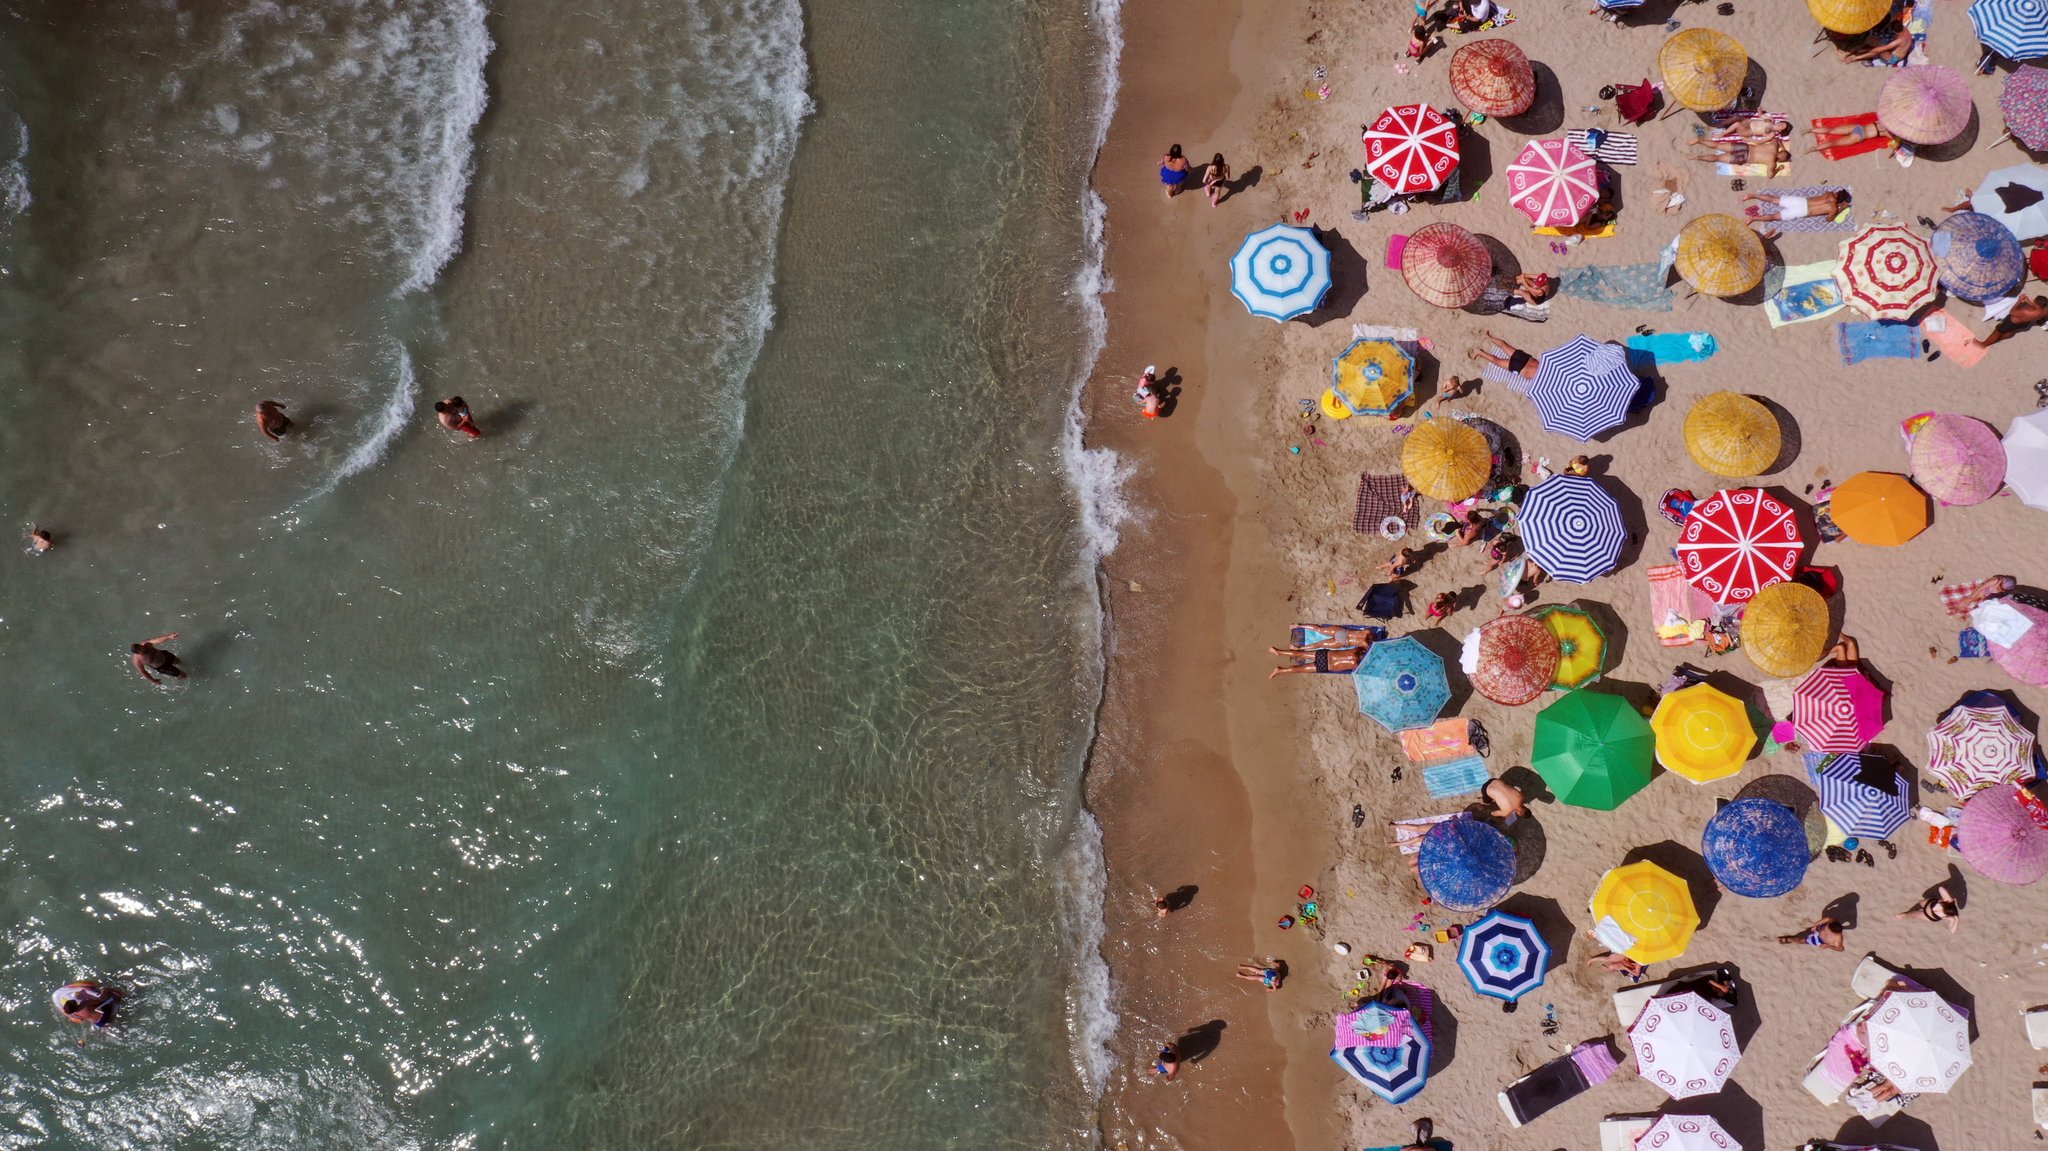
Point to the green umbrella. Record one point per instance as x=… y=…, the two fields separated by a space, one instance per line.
x=1593 y=749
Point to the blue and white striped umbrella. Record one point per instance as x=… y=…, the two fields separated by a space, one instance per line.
x=1618 y=5
x=1395 y=1074
x=1503 y=956
x=1572 y=527
x=1583 y=388
x=2015 y=29
x=1281 y=272
x=1401 y=684
x=1863 y=796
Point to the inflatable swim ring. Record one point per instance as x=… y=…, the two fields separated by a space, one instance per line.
x=1334 y=405
x=1439 y=527
x=1393 y=528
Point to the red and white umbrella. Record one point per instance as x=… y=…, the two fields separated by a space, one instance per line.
x=1552 y=183
x=1737 y=543
x=1685 y=1045
x=1837 y=709
x=1887 y=272
x=1411 y=148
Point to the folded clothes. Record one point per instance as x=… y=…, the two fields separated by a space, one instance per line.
x=1876 y=340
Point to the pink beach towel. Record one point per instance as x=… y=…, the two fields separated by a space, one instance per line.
x=1396 y=244
x=1670 y=605
x=1595 y=1060
x=1953 y=337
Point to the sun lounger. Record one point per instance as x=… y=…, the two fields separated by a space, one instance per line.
x=1630 y=1001
x=1871 y=976
x=1620 y=1132
x=2041 y=1107
x=1821 y=1084
x=1556 y=1082
x=2037 y=1026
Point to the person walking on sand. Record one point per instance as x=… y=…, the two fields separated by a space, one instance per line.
x=1173 y=171
x=150 y=661
x=39 y=541
x=1215 y=180
x=271 y=420
x=1441 y=607
x=1825 y=933
x=453 y=413
x=1940 y=907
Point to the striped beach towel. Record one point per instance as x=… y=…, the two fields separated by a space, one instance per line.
x=1465 y=776
x=1617 y=148
x=1381 y=498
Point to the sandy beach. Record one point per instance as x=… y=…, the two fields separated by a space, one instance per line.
x=1209 y=774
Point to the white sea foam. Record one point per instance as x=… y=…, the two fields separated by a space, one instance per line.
x=1091 y=1021
x=466 y=45
x=14 y=193
x=390 y=420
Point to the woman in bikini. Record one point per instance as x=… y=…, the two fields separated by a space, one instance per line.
x=1742 y=151
x=1441 y=607
x=1892 y=50
x=1512 y=359
x=1533 y=290
x=1842 y=135
x=1941 y=907
x=1338 y=661
x=1173 y=171
x=1215 y=179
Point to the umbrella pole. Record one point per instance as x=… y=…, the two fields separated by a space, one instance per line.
x=2002 y=139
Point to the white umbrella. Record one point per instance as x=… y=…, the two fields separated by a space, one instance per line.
x=1687 y=1133
x=2016 y=197
x=1281 y=272
x=1685 y=1045
x=1918 y=1041
x=2026 y=458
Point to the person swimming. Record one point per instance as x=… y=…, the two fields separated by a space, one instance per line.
x=87 y=1002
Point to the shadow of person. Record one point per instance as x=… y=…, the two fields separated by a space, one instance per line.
x=1198 y=1043
x=1246 y=181
x=1180 y=898
x=1842 y=909
x=1534 y=788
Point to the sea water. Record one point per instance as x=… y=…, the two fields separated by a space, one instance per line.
x=692 y=761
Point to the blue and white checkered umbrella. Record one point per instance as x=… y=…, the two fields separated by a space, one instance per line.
x=1756 y=847
x=1401 y=684
x=2015 y=29
x=1504 y=956
x=1863 y=795
x=1466 y=864
x=1281 y=272
x=1583 y=388
x=1395 y=1074
x=1572 y=527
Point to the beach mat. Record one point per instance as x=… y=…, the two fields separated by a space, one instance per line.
x=1811 y=223
x=1957 y=343
x=1383 y=498
x=1646 y=352
x=1617 y=148
x=1862 y=340
x=1808 y=293
x=1465 y=776
x=1637 y=286
x=1755 y=171
x=1670 y=605
x=1444 y=739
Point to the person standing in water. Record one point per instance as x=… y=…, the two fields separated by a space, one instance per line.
x=453 y=413
x=87 y=1002
x=271 y=420
x=150 y=661
x=39 y=541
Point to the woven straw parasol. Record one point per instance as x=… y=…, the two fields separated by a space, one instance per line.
x=1720 y=256
x=1958 y=459
x=1517 y=660
x=1849 y=17
x=1730 y=434
x=1703 y=69
x=1446 y=460
x=1494 y=77
x=1785 y=629
x=1926 y=105
x=1446 y=265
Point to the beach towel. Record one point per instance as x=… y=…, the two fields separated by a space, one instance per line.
x=1755 y=171
x=1808 y=293
x=1444 y=739
x=1304 y=634
x=1971 y=644
x=1465 y=776
x=1955 y=340
x=1861 y=340
x=1383 y=498
x=1958 y=599
x=1595 y=1060
x=1670 y=605
x=1583 y=231
x=1617 y=148
x=1500 y=377
x=1396 y=244
x=1385 y=332
x=1672 y=348
x=1846 y=222
x=1408 y=833
x=1637 y=286
x=1727 y=116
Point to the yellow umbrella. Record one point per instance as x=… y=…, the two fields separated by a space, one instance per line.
x=1651 y=904
x=1785 y=629
x=1371 y=378
x=1703 y=69
x=1882 y=508
x=1719 y=255
x=1730 y=434
x=1581 y=645
x=1703 y=733
x=1849 y=17
x=1446 y=460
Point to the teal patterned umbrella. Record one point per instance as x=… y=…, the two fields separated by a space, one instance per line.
x=1401 y=684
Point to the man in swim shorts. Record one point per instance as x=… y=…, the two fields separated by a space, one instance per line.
x=150 y=661
x=1825 y=206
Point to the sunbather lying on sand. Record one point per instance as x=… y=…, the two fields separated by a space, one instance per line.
x=1306 y=662
x=1511 y=358
x=1885 y=49
x=1760 y=129
x=1741 y=152
x=1836 y=136
x=1825 y=206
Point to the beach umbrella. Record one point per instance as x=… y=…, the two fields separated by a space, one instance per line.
x=1594 y=750
x=1880 y=508
x=1684 y=1045
x=1958 y=459
x=2026 y=458
x=1849 y=17
x=1837 y=708
x=1371 y=378
x=1918 y=1040
x=1730 y=434
x=1703 y=69
x=1887 y=272
x=1583 y=388
x=2025 y=658
x=2015 y=29
x=1756 y=847
x=1395 y=1074
x=2024 y=103
x=1466 y=864
x=1572 y=527
x=1977 y=258
x=1719 y=255
x=1864 y=794
x=1401 y=684
x=1581 y=645
x=1925 y=105
x=1503 y=956
x=1652 y=906
x=2000 y=834
x=1411 y=148
x=1972 y=748
x=1703 y=733
x=1514 y=659
x=2017 y=197
x=1552 y=183
x=1739 y=541
x=1446 y=459
x=1494 y=77
x=1281 y=272
x=1446 y=265
x=1689 y=1132
x=1785 y=629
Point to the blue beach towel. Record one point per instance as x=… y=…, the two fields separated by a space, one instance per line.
x=1971 y=644
x=1456 y=777
x=1862 y=340
x=1808 y=293
x=1639 y=286
x=1672 y=348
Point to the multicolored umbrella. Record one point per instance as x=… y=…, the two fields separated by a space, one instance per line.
x=1739 y=541
x=1572 y=527
x=2026 y=458
x=1756 y=847
x=1552 y=183
x=2001 y=836
x=2024 y=103
x=2016 y=197
x=1865 y=795
x=1972 y=748
x=1514 y=659
x=1879 y=508
x=1395 y=1074
x=1958 y=459
x=1977 y=258
x=1720 y=256
x=1503 y=956
x=1401 y=684
x=1652 y=906
x=1837 y=708
x=1684 y=1045
x=1280 y=272
x=1581 y=645
x=1703 y=69
x=1494 y=77
x=1689 y=1132
x=1593 y=749
x=1887 y=271
x=1466 y=864
x=1918 y=1040
x=1703 y=733
x=1730 y=434
x=1583 y=388
x=1785 y=629
x=1925 y=105
x=1446 y=265
x=1371 y=378
x=2026 y=658
x=2015 y=29
x=1446 y=459
x=1411 y=148
x=1849 y=17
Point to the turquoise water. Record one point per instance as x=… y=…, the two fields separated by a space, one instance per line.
x=692 y=761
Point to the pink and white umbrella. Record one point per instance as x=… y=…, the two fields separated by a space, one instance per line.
x=1736 y=543
x=1973 y=748
x=1837 y=709
x=2000 y=833
x=2024 y=657
x=1918 y=1040
x=1685 y=1045
x=1411 y=148
x=1687 y=1133
x=1958 y=459
x=1552 y=183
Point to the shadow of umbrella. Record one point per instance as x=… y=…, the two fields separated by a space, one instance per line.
x=1551 y=923
x=1795 y=794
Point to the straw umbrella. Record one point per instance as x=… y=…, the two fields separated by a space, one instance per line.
x=1879 y=508
x=1688 y=1132
x=1958 y=459
x=2026 y=658
x=1703 y=733
x=1494 y=77
x=1837 y=708
x=1401 y=684
x=1756 y=847
x=1446 y=460
x=1977 y=258
x=2014 y=29
x=1684 y=1045
x=1703 y=69
x=1918 y=1040
x=1785 y=629
x=1849 y=17
x=1280 y=272
x=1887 y=272
x=1513 y=659
x=1369 y=378
x=2026 y=458
x=2024 y=104
x=2000 y=839
x=1719 y=255
x=1552 y=183
x=1581 y=645
x=1651 y=905
x=1446 y=265
x=1411 y=148
x=1925 y=105
x=1739 y=541
x=1593 y=749
x=1573 y=527
x=1730 y=434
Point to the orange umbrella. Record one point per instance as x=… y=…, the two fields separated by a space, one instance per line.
x=1494 y=77
x=1881 y=508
